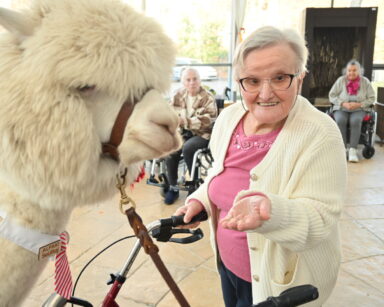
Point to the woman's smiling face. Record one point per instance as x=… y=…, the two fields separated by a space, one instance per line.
x=268 y=106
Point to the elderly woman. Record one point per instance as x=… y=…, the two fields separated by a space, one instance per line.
x=351 y=95
x=275 y=192
x=197 y=111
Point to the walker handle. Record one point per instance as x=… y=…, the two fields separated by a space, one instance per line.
x=178 y=220
x=292 y=297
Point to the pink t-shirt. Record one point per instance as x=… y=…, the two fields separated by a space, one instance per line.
x=243 y=154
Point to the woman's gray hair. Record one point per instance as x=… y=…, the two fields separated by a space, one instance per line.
x=353 y=62
x=269 y=36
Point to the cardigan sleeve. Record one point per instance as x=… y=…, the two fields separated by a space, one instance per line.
x=369 y=94
x=311 y=211
x=334 y=94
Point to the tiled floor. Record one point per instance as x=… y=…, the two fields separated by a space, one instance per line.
x=361 y=280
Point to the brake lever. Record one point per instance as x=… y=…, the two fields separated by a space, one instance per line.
x=165 y=233
x=196 y=235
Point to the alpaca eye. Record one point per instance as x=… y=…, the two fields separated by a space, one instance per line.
x=86 y=88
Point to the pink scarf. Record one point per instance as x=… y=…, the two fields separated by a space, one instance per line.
x=353 y=86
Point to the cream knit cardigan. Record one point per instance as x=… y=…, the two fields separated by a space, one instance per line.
x=304 y=176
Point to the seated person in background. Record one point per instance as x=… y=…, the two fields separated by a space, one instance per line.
x=197 y=111
x=351 y=95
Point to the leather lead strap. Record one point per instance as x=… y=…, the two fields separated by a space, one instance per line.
x=169 y=280
x=152 y=250
x=110 y=148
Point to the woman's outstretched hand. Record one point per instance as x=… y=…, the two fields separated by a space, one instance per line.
x=247 y=213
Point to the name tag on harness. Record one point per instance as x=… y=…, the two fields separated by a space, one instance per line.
x=49 y=250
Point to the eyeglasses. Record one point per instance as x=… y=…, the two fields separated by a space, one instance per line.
x=281 y=82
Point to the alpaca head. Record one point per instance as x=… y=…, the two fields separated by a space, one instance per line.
x=66 y=69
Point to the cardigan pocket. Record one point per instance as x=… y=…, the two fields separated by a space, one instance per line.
x=294 y=273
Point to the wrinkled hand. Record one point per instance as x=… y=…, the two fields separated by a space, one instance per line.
x=351 y=105
x=346 y=105
x=193 y=208
x=247 y=213
x=354 y=105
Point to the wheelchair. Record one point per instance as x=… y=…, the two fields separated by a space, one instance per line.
x=367 y=134
x=202 y=161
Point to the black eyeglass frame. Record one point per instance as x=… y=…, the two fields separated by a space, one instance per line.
x=269 y=81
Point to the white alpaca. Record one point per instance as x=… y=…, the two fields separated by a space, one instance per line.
x=66 y=68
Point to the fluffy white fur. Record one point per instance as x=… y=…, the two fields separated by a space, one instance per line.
x=51 y=132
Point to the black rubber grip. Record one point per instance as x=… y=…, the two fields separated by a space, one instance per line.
x=178 y=220
x=295 y=296
x=299 y=295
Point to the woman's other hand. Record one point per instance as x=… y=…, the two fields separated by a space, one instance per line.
x=346 y=105
x=247 y=213
x=193 y=208
x=354 y=105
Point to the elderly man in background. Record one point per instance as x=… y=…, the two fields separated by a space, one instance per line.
x=197 y=111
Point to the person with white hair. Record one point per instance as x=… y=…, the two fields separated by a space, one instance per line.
x=351 y=96
x=275 y=191
x=197 y=112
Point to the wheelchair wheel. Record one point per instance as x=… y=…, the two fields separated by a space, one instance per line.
x=368 y=152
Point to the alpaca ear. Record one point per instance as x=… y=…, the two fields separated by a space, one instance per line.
x=18 y=24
